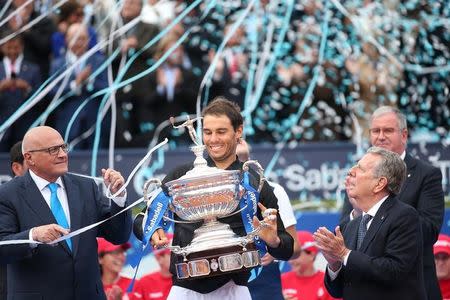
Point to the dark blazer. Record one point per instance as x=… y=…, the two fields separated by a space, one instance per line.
x=54 y=272
x=422 y=190
x=11 y=100
x=389 y=263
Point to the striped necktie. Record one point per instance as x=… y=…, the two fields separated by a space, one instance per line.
x=362 y=230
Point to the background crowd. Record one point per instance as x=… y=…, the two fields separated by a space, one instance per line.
x=301 y=70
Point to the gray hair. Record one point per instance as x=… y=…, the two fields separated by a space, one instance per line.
x=391 y=166
x=389 y=109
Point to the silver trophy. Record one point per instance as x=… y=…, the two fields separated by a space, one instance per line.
x=208 y=193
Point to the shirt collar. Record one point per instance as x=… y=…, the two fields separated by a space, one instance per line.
x=374 y=209
x=17 y=65
x=41 y=182
x=403 y=155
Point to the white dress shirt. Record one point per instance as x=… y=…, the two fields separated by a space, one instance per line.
x=372 y=212
x=42 y=185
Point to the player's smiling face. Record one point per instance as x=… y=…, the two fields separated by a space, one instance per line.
x=220 y=139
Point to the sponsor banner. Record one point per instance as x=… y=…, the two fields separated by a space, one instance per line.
x=308 y=172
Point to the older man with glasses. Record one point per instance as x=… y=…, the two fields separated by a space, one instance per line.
x=377 y=255
x=422 y=188
x=46 y=204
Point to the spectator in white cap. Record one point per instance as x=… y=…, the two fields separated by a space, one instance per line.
x=441 y=250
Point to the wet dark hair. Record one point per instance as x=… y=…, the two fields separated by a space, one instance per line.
x=222 y=106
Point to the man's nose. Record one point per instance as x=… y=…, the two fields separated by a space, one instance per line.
x=213 y=136
x=61 y=152
x=381 y=135
x=351 y=172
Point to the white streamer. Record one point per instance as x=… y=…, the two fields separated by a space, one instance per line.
x=136 y=168
x=28 y=25
x=119 y=32
x=86 y=228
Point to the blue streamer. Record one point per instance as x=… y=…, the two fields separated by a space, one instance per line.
x=155 y=220
x=155 y=211
x=308 y=94
x=249 y=206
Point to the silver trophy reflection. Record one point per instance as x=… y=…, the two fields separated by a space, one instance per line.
x=208 y=193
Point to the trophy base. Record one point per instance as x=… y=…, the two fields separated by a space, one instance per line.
x=214 y=234
x=217 y=261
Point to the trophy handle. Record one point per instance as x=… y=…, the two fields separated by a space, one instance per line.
x=146 y=186
x=259 y=170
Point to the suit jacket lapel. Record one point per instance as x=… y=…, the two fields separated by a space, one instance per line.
x=378 y=219
x=33 y=197
x=351 y=233
x=410 y=166
x=2 y=70
x=75 y=208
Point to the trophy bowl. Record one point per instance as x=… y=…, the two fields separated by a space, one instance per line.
x=207 y=193
x=206 y=197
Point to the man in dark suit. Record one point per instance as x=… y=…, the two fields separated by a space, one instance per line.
x=18 y=168
x=45 y=204
x=422 y=188
x=19 y=78
x=378 y=255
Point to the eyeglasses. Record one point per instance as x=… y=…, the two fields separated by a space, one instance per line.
x=54 y=150
x=386 y=131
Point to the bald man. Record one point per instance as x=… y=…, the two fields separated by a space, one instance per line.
x=47 y=203
x=80 y=85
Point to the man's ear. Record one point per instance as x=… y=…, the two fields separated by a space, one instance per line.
x=239 y=131
x=404 y=135
x=27 y=159
x=17 y=168
x=381 y=184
